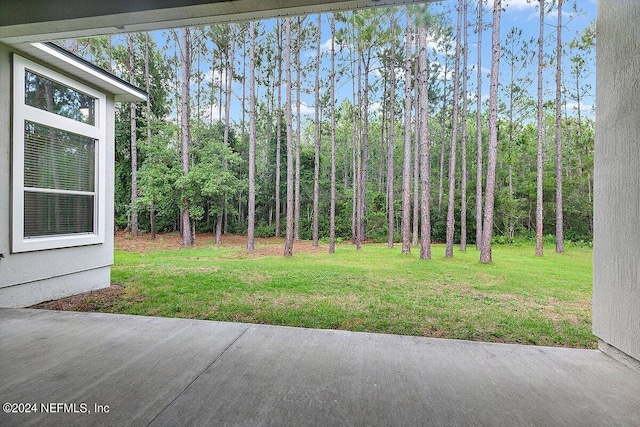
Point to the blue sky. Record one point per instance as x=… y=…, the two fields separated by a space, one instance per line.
x=521 y=14
x=517 y=13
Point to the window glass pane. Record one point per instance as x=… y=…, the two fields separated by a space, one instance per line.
x=55 y=159
x=47 y=214
x=40 y=92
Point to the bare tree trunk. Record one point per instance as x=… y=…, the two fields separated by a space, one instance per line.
x=365 y=146
x=391 y=144
x=152 y=212
x=219 y=228
x=358 y=171
x=251 y=217
x=316 y=165
x=296 y=223
x=355 y=179
x=134 y=146
x=540 y=165
x=559 y=215
x=278 y=128
x=492 y=158
x=443 y=120
x=332 y=211
x=288 y=246
x=383 y=136
x=511 y=219
x=354 y=194
x=480 y=27
x=425 y=217
x=406 y=159
x=451 y=221
x=416 y=152
x=463 y=143
x=187 y=239
x=227 y=121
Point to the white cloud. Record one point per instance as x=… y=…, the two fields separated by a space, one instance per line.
x=307 y=110
x=374 y=107
x=520 y=4
x=554 y=14
x=215 y=76
x=436 y=43
x=440 y=72
x=326 y=46
x=573 y=106
x=209 y=111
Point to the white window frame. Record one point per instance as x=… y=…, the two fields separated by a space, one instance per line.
x=22 y=112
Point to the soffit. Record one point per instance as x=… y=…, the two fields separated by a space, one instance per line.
x=42 y=20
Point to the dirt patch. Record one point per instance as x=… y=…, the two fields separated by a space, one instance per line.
x=92 y=301
x=271 y=246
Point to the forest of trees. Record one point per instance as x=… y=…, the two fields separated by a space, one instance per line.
x=398 y=146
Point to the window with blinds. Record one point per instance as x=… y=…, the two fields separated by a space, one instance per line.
x=59 y=181
x=58 y=162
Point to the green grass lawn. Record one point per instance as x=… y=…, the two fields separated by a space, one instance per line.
x=518 y=299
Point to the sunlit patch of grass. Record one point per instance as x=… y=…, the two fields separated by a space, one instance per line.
x=519 y=298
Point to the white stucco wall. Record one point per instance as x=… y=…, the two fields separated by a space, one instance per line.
x=616 y=287
x=32 y=277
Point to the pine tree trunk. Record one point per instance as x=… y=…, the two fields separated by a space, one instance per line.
x=463 y=142
x=443 y=124
x=355 y=83
x=134 y=146
x=559 y=215
x=511 y=220
x=425 y=219
x=219 y=228
x=187 y=239
x=316 y=165
x=480 y=27
x=278 y=129
x=152 y=212
x=354 y=192
x=416 y=152
x=288 y=246
x=251 y=210
x=358 y=172
x=406 y=159
x=454 y=138
x=227 y=116
x=391 y=135
x=492 y=158
x=296 y=224
x=152 y=220
x=332 y=211
x=365 y=146
x=540 y=165
x=383 y=136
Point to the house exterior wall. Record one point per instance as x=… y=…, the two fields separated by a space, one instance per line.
x=616 y=281
x=31 y=277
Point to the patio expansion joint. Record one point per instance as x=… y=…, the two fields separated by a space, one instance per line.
x=200 y=374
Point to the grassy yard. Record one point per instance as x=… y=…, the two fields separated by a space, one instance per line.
x=518 y=299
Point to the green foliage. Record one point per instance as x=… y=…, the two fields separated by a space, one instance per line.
x=265 y=230
x=217 y=183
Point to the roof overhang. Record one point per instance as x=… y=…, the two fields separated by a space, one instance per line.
x=73 y=65
x=42 y=20
x=28 y=25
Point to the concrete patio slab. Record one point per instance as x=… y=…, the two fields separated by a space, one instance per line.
x=189 y=372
